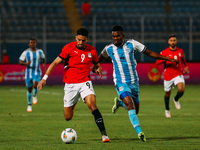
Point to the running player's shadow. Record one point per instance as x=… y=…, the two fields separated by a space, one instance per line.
x=157 y=138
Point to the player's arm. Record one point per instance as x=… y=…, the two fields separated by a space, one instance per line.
x=44 y=64
x=96 y=68
x=185 y=70
x=52 y=66
x=24 y=63
x=158 y=56
x=159 y=61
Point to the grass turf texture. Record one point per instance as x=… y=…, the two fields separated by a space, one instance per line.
x=41 y=129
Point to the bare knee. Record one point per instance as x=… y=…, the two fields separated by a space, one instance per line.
x=67 y=118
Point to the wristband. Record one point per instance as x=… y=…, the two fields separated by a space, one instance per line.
x=45 y=77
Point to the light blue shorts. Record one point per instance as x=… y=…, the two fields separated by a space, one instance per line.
x=29 y=81
x=132 y=90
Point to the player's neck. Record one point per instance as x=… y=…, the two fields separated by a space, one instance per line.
x=81 y=48
x=33 y=49
x=172 y=48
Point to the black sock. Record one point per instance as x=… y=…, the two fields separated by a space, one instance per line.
x=178 y=95
x=166 y=103
x=99 y=121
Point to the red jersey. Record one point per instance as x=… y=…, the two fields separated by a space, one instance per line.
x=78 y=62
x=172 y=69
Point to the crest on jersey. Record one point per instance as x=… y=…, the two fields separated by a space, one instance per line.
x=89 y=55
x=179 y=54
x=128 y=50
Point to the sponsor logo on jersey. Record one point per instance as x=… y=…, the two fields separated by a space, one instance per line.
x=121 y=88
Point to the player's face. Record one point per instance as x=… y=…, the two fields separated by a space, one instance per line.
x=117 y=37
x=32 y=44
x=81 y=41
x=172 y=42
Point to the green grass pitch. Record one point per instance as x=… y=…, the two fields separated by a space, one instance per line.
x=41 y=129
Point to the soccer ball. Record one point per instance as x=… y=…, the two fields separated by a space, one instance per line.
x=69 y=135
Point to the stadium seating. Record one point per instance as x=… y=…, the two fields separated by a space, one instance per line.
x=25 y=19
x=22 y=19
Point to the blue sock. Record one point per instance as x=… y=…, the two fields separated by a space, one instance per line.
x=121 y=103
x=134 y=120
x=35 y=92
x=29 y=95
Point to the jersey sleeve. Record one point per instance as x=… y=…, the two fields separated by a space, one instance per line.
x=160 y=61
x=95 y=57
x=183 y=59
x=104 y=52
x=42 y=55
x=138 y=46
x=23 y=56
x=65 y=52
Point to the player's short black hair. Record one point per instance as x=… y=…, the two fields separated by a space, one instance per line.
x=117 y=28
x=83 y=32
x=34 y=39
x=171 y=35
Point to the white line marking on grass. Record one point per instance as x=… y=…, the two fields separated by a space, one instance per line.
x=81 y=115
x=42 y=92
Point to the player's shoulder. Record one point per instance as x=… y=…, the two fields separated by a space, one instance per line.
x=179 y=49
x=27 y=50
x=90 y=47
x=109 y=45
x=166 y=49
x=69 y=46
x=40 y=50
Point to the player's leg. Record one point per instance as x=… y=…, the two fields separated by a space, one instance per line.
x=29 y=85
x=35 y=91
x=137 y=107
x=180 y=83
x=117 y=103
x=167 y=88
x=166 y=100
x=71 y=98
x=133 y=116
x=69 y=112
x=91 y=103
x=88 y=95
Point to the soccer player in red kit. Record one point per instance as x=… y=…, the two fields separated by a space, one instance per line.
x=78 y=58
x=173 y=73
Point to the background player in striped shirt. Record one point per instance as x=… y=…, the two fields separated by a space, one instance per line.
x=78 y=58
x=32 y=57
x=125 y=76
x=173 y=73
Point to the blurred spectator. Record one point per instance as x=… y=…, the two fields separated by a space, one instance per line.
x=5 y=59
x=86 y=8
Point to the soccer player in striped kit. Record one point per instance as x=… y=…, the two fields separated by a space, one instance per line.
x=125 y=77
x=32 y=57
x=173 y=73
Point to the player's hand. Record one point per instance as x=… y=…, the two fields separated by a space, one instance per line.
x=28 y=63
x=185 y=70
x=99 y=71
x=93 y=69
x=174 y=60
x=41 y=84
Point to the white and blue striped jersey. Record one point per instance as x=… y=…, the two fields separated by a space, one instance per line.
x=33 y=69
x=124 y=63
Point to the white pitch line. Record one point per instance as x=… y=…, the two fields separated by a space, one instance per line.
x=42 y=92
x=86 y=115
